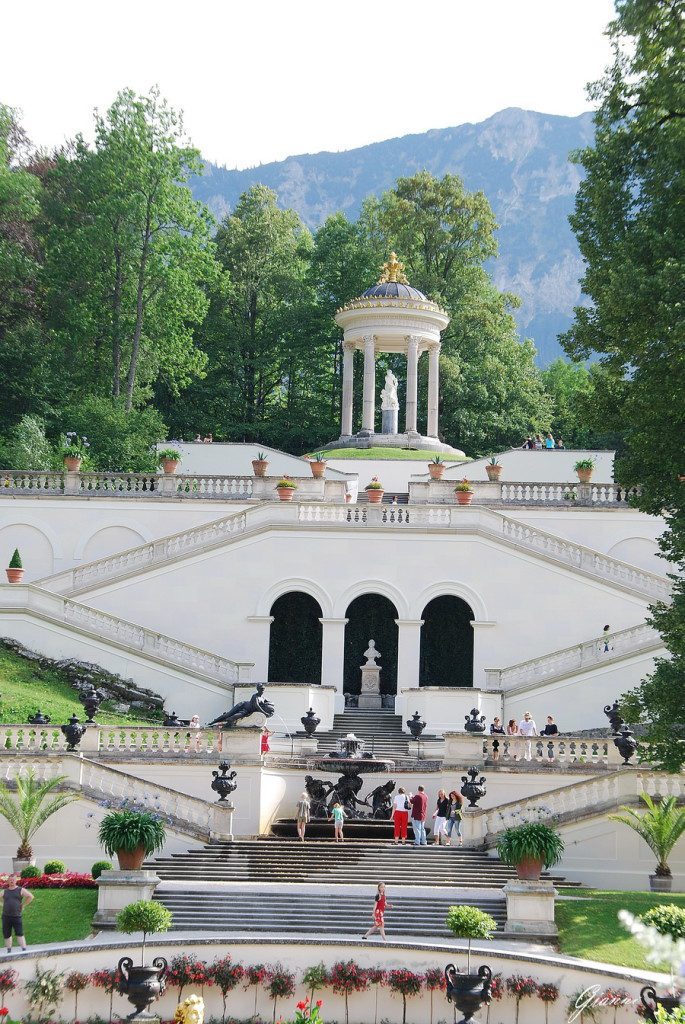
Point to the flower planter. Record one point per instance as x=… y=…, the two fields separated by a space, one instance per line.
x=19 y=863
x=584 y=475
x=285 y=493
x=318 y=469
x=436 y=470
x=375 y=496
x=72 y=463
x=142 y=985
x=131 y=860
x=463 y=497
x=494 y=473
x=259 y=467
x=660 y=883
x=14 y=575
x=529 y=870
x=169 y=466
x=468 y=991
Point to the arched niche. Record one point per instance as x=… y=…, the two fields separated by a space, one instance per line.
x=35 y=548
x=371 y=617
x=446 y=657
x=110 y=540
x=295 y=639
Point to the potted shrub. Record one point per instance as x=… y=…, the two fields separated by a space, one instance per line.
x=286 y=488
x=260 y=464
x=132 y=836
x=15 y=570
x=470 y=923
x=318 y=466
x=661 y=826
x=463 y=492
x=494 y=470
x=375 y=491
x=529 y=848
x=141 y=985
x=584 y=468
x=169 y=459
x=74 y=451
x=436 y=467
x=28 y=808
x=468 y=991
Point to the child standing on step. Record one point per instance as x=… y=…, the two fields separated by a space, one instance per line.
x=338 y=818
x=379 y=909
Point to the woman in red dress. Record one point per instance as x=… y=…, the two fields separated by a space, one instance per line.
x=265 y=748
x=379 y=909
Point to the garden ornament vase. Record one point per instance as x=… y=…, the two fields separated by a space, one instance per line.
x=651 y=1001
x=472 y=790
x=223 y=783
x=73 y=731
x=468 y=991
x=310 y=721
x=626 y=743
x=142 y=985
x=91 y=701
x=474 y=722
x=416 y=726
x=614 y=716
x=39 y=718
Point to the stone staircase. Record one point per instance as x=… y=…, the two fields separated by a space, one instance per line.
x=380 y=730
x=310 y=913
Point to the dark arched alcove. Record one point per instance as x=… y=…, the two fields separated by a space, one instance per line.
x=446 y=643
x=295 y=639
x=371 y=617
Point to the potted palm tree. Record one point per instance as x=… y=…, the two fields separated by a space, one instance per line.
x=169 y=459
x=661 y=826
x=494 y=470
x=529 y=848
x=375 y=491
x=132 y=836
x=468 y=991
x=147 y=982
x=286 y=488
x=584 y=468
x=260 y=464
x=30 y=807
x=318 y=466
x=436 y=467
x=15 y=570
x=463 y=492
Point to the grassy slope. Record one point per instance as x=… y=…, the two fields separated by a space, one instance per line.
x=57 y=915
x=24 y=687
x=386 y=453
x=589 y=928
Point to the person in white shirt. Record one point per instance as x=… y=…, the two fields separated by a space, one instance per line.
x=400 y=815
x=527 y=728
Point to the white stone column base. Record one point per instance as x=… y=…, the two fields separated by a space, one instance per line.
x=116 y=889
x=370 y=696
x=222 y=823
x=530 y=908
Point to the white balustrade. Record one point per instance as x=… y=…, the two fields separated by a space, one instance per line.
x=26 y=482
x=110 y=485
x=563 y=750
x=557 y=494
x=159 y=740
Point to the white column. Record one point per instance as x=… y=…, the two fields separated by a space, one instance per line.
x=408 y=651
x=483 y=656
x=333 y=656
x=260 y=635
x=433 y=389
x=412 y=382
x=369 y=402
x=347 y=388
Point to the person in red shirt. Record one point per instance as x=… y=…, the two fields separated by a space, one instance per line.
x=379 y=909
x=419 y=809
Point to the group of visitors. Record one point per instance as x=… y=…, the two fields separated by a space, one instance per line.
x=526 y=729
x=538 y=443
x=203 y=440
x=446 y=817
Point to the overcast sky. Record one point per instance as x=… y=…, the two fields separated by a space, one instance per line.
x=259 y=80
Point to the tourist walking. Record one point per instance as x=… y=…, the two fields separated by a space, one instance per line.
x=419 y=809
x=440 y=816
x=14 y=899
x=338 y=818
x=513 y=730
x=528 y=728
x=496 y=729
x=400 y=815
x=380 y=906
x=454 y=817
x=303 y=814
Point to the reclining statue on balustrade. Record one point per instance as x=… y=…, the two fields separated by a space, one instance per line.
x=256 y=704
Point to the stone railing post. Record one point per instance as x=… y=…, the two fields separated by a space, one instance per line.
x=91 y=739
x=473 y=827
x=72 y=483
x=530 y=908
x=116 y=889
x=166 y=483
x=463 y=750
x=221 y=825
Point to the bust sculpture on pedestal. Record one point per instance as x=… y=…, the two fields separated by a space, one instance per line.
x=370 y=697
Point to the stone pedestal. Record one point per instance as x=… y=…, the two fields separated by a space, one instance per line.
x=530 y=908
x=116 y=889
x=389 y=421
x=370 y=697
x=222 y=822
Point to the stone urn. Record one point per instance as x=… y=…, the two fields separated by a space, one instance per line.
x=39 y=718
x=223 y=783
x=474 y=723
x=142 y=985
x=436 y=470
x=72 y=463
x=310 y=721
x=259 y=467
x=472 y=790
x=73 y=731
x=494 y=472
x=91 y=701
x=625 y=743
x=170 y=720
x=415 y=725
x=651 y=1001
x=468 y=992
x=613 y=714
x=318 y=469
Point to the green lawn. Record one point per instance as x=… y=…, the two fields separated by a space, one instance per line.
x=589 y=927
x=25 y=687
x=386 y=453
x=57 y=915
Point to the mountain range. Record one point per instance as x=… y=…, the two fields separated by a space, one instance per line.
x=518 y=158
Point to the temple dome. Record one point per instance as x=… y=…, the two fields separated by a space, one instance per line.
x=392 y=285
x=394 y=290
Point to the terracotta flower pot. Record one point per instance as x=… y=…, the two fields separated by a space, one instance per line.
x=463 y=497
x=14 y=575
x=72 y=463
x=375 y=496
x=285 y=493
x=436 y=470
x=131 y=860
x=494 y=473
x=584 y=475
x=530 y=869
x=318 y=469
x=259 y=467
x=169 y=466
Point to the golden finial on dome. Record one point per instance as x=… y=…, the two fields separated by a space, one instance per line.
x=393 y=271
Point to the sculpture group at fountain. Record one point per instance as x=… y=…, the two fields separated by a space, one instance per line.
x=351 y=763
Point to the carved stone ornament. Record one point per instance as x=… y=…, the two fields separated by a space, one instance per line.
x=472 y=790
x=474 y=723
x=222 y=782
